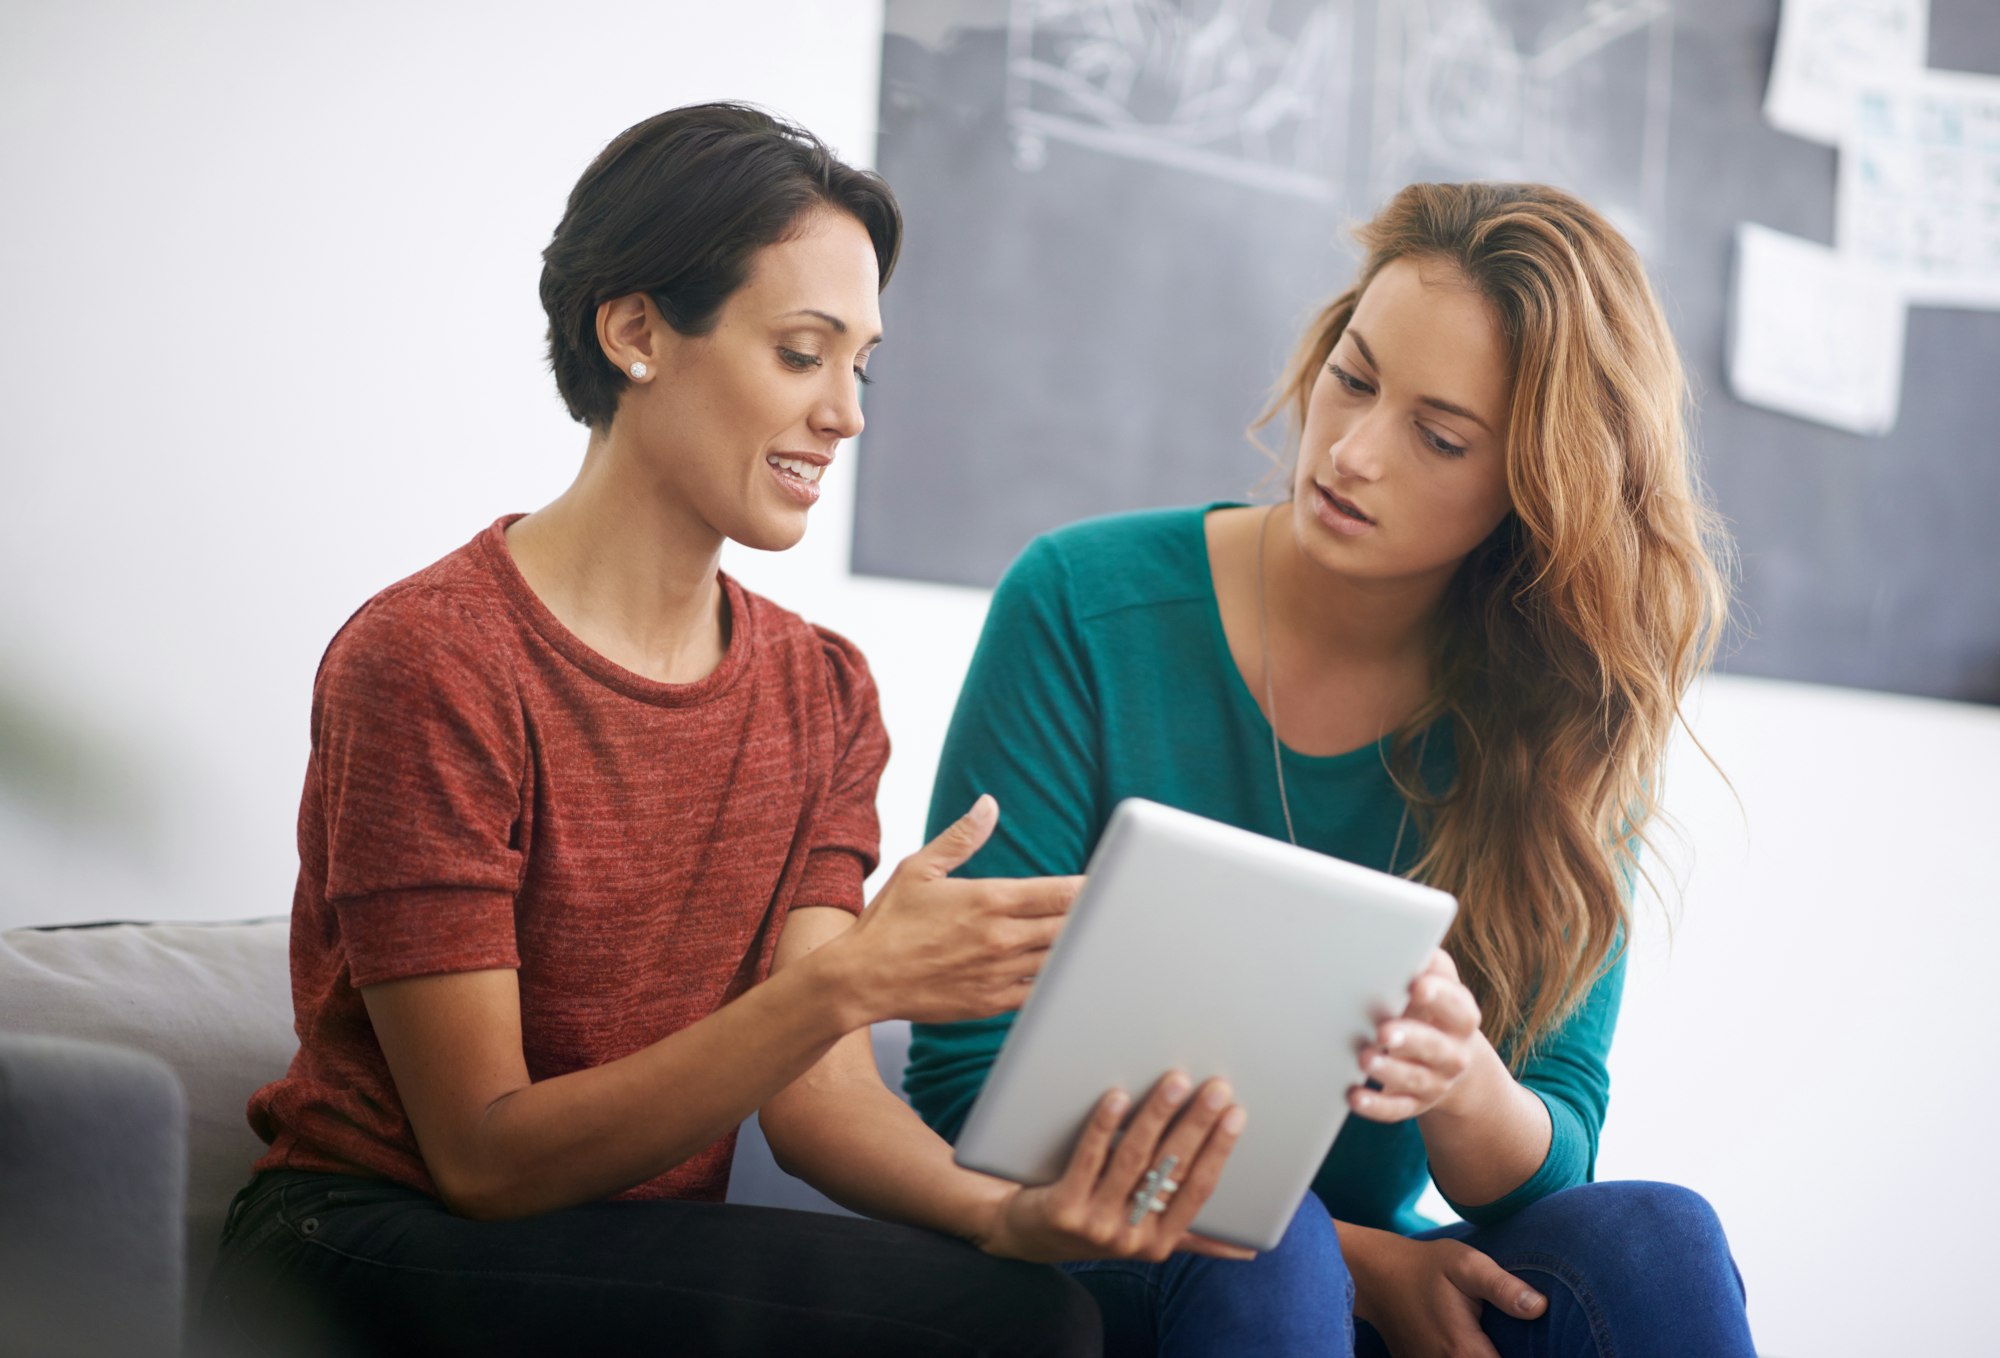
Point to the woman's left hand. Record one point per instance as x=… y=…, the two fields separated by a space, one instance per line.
x=1420 y=1057
x=1425 y=1297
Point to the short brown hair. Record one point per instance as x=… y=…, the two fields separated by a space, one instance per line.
x=675 y=207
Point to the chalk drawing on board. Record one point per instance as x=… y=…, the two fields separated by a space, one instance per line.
x=1576 y=94
x=1245 y=90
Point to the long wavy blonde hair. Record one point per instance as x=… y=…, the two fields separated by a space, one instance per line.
x=1570 y=635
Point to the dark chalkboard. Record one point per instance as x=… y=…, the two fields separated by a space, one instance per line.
x=1121 y=213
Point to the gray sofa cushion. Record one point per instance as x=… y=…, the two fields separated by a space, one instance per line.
x=213 y=1001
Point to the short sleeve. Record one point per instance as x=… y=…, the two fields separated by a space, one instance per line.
x=420 y=756
x=847 y=833
x=1026 y=730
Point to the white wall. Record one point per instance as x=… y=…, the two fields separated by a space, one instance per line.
x=270 y=341
x=1814 y=1051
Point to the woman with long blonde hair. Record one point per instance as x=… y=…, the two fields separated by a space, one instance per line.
x=1455 y=651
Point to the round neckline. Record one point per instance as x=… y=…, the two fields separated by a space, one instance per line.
x=735 y=657
x=1375 y=751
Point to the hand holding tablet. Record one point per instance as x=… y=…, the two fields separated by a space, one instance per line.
x=1420 y=1057
x=1134 y=1181
x=1202 y=948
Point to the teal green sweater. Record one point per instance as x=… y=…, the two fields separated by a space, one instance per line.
x=1102 y=673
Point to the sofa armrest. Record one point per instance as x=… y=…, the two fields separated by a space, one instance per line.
x=213 y=1001
x=93 y=1189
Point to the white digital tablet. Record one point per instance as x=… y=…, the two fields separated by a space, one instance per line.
x=1197 y=946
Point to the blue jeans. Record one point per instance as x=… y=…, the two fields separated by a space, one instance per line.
x=1631 y=1269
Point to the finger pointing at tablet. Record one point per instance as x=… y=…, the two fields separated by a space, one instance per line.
x=938 y=949
x=965 y=837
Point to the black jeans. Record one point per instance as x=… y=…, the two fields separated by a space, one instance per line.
x=327 y=1264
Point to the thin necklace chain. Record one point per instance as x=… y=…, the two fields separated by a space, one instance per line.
x=1271 y=702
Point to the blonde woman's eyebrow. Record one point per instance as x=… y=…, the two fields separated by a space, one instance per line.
x=1434 y=402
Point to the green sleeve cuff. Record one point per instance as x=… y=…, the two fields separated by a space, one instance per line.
x=1567 y=1164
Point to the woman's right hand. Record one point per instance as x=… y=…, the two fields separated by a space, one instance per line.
x=937 y=949
x=1087 y=1214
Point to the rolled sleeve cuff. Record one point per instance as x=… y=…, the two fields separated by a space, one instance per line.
x=1568 y=1163
x=833 y=877
x=395 y=935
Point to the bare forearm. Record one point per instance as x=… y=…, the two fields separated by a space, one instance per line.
x=500 y=1144
x=1488 y=1137
x=1361 y=1250
x=841 y=1130
x=844 y=1133
x=581 y=1136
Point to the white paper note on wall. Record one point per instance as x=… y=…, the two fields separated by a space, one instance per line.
x=1815 y=334
x=1827 y=47
x=1919 y=194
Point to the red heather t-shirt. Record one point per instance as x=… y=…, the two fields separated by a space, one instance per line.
x=486 y=791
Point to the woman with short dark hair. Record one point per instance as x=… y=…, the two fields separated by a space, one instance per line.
x=582 y=845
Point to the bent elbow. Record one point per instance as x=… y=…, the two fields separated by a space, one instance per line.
x=793 y=1124
x=477 y=1207
x=481 y=1196
x=781 y=1137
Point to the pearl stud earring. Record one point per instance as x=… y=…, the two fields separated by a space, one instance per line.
x=639 y=371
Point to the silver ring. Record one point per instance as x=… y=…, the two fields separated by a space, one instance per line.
x=1153 y=1191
